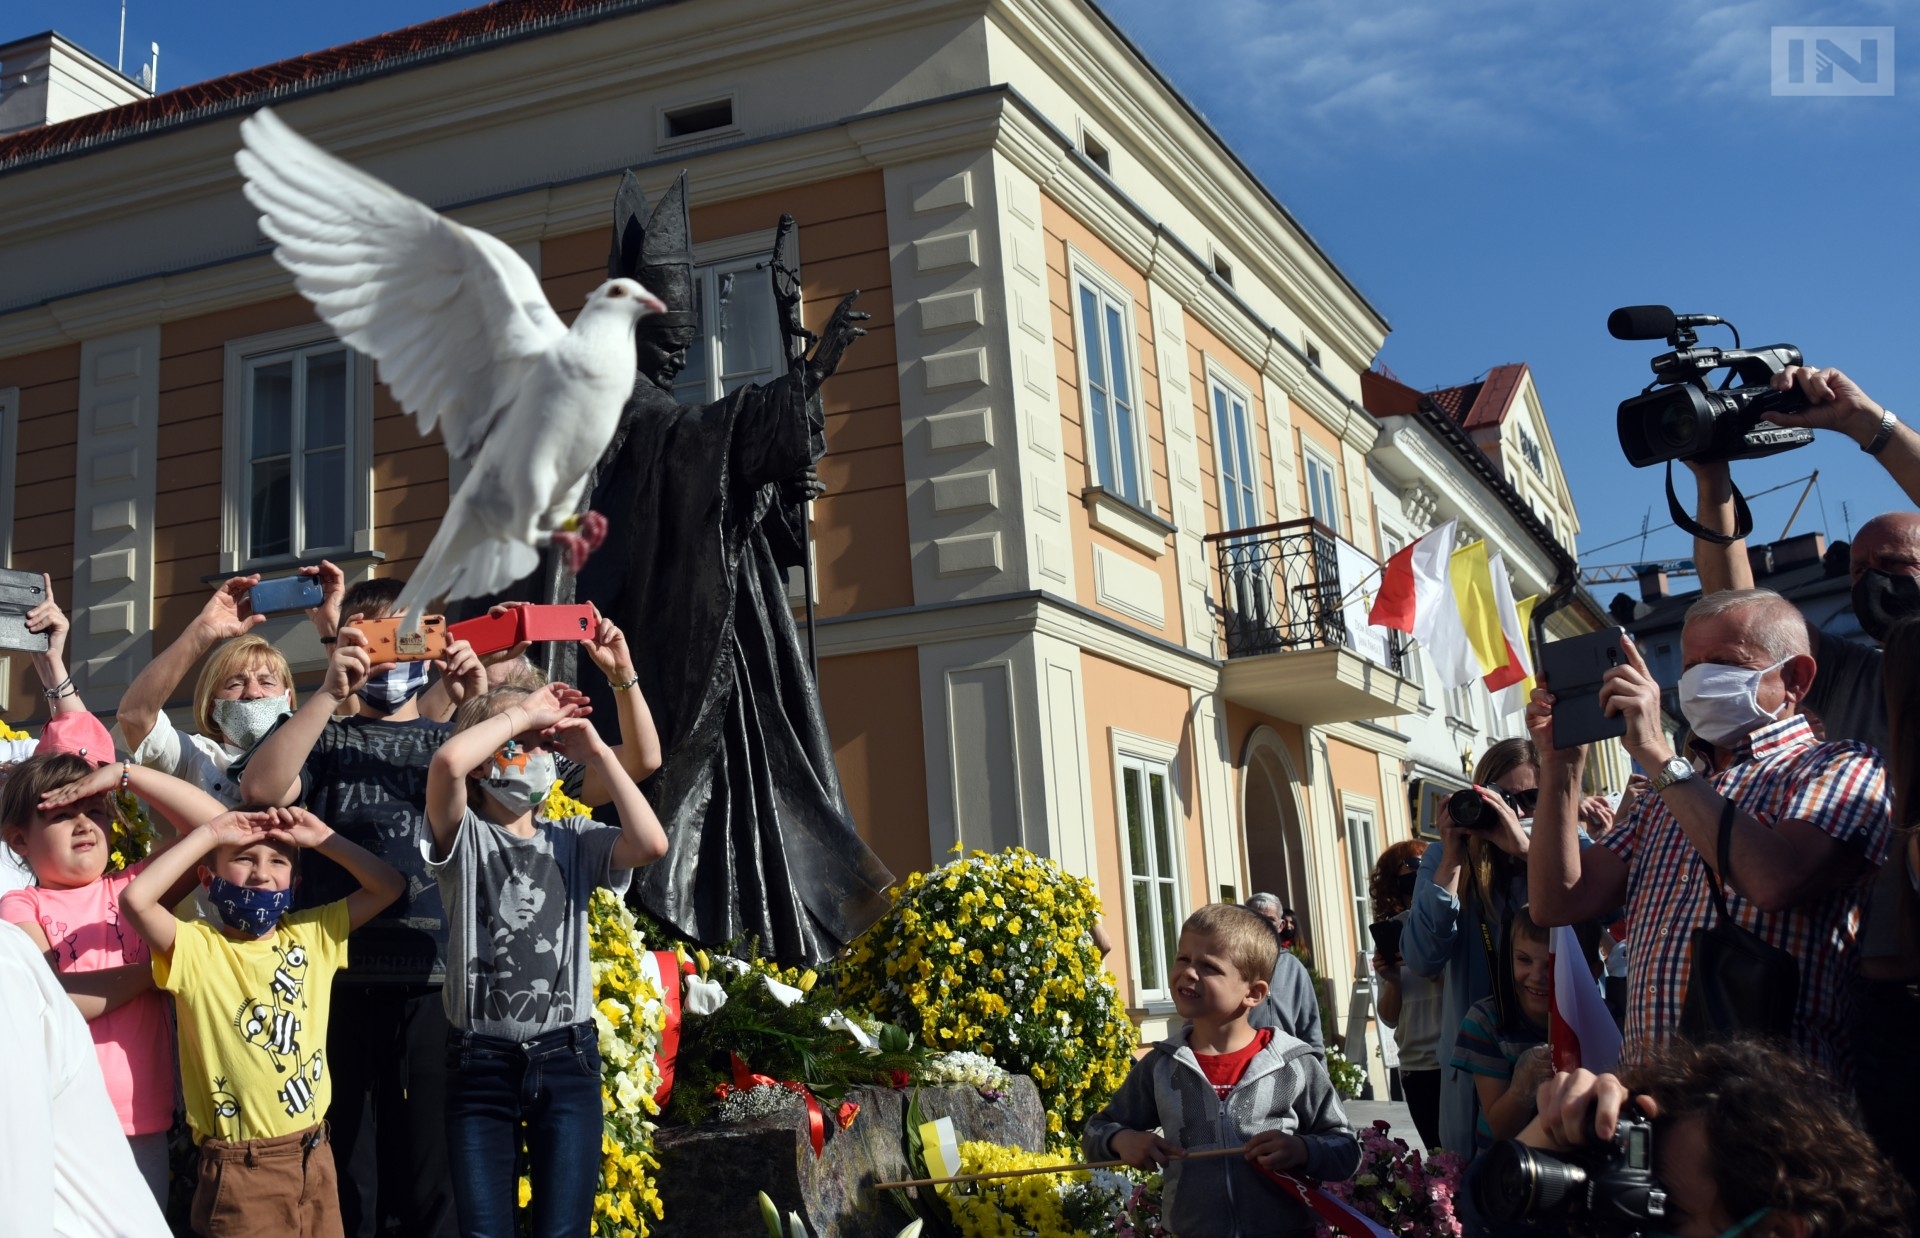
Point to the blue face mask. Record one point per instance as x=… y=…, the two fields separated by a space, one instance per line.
x=390 y=687
x=1733 y=1231
x=246 y=909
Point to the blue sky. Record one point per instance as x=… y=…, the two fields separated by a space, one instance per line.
x=1495 y=175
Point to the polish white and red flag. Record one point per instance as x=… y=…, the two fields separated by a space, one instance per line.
x=1417 y=597
x=1580 y=1027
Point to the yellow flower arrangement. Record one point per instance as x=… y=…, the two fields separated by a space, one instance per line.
x=995 y=954
x=1009 y=1207
x=630 y=1017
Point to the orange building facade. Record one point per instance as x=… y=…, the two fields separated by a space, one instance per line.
x=1075 y=568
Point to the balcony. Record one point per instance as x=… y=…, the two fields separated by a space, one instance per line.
x=1298 y=644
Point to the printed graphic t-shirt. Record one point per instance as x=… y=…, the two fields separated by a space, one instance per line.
x=253 y=1023
x=135 y=1041
x=367 y=778
x=517 y=919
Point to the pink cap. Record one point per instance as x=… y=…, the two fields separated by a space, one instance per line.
x=79 y=733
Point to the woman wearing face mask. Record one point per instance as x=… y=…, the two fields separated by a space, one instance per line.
x=1466 y=892
x=245 y=687
x=1409 y=1002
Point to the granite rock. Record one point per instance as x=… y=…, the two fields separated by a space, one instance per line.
x=710 y=1176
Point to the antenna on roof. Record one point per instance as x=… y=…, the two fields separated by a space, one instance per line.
x=150 y=73
x=120 y=57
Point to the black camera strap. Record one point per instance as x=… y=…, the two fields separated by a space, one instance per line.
x=1742 y=515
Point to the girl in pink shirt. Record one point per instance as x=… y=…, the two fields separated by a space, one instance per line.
x=72 y=912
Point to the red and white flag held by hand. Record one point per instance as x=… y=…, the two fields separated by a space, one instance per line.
x=1580 y=1027
x=1416 y=597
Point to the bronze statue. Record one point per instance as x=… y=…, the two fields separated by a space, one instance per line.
x=702 y=501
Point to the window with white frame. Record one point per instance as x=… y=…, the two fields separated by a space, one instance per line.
x=1108 y=387
x=1361 y=854
x=1323 y=494
x=1146 y=818
x=1239 y=478
x=739 y=339
x=299 y=456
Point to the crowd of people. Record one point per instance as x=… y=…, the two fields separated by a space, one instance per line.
x=381 y=1090
x=1751 y=905
x=1751 y=908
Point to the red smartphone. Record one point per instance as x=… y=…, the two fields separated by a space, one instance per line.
x=488 y=633
x=556 y=622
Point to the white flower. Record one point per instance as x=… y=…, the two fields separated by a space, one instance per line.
x=703 y=996
x=785 y=994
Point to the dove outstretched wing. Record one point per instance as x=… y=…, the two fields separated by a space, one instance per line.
x=454 y=318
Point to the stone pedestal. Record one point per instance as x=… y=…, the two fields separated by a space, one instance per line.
x=710 y=1176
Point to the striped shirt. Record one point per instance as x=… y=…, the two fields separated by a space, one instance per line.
x=1782 y=774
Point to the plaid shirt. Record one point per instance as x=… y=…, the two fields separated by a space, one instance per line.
x=1782 y=774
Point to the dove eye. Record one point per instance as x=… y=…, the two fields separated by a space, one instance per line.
x=616 y=292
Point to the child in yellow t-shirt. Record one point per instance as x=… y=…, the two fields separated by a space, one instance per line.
x=252 y=997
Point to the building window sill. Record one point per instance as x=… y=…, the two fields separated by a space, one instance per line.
x=287 y=565
x=1135 y=526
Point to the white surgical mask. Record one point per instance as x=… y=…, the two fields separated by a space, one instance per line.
x=519 y=780
x=1721 y=702
x=245 y=723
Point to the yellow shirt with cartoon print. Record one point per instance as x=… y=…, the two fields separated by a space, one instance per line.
x=253 y=1023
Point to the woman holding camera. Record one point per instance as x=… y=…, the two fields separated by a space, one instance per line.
x=1464 y=894
x=1746 y=1140
x=1409 y=1002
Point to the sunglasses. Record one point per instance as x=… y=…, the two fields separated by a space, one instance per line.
x=1522 y=802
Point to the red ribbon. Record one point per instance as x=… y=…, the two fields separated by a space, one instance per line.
x=816 y=1121
x=669 y=1050
x=1341 y=1216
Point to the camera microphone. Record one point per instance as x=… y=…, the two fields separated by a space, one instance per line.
x=1654 y=322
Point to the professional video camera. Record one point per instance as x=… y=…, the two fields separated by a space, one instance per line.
x=1680 y=417
x=1606 y=1189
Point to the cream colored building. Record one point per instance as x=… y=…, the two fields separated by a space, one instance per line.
x=1100 y=352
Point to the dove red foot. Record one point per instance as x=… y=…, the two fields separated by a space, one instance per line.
x=578 y=546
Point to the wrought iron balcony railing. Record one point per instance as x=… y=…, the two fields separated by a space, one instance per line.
x=1281 y=590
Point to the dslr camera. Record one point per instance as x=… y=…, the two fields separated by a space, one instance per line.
x=1681 y=416
x=1604 y=1190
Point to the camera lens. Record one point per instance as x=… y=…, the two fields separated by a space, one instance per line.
x=1677 y=422
x=1467 y=809
x=1521 y=1182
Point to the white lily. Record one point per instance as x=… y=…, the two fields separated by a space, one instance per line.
x=703 y=996
x=785 y=994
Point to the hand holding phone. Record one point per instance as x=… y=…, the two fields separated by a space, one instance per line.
x=1572 y=668
x=20 y=592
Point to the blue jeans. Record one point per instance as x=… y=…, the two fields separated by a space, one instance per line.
x=552 y=1083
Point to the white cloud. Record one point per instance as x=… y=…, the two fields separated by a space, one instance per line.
x=1313 y=75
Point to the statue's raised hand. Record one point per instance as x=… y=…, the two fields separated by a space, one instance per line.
x=841 y=330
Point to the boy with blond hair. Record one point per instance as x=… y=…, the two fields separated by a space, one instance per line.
x=1220 y=1083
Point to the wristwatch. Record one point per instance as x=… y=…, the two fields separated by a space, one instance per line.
x=1677 y=769
x=1888 y=421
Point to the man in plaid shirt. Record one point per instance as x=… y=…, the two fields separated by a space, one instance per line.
x=1812 y=821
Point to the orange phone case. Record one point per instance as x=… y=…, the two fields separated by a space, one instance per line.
x=385 y=644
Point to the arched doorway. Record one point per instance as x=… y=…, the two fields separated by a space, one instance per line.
x=1270 y=816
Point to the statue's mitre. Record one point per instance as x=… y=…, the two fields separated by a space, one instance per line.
x=659 y=251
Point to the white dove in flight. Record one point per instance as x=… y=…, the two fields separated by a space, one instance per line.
x=464 y=338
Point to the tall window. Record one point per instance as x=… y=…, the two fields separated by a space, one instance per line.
x=1323 y=496
x=1146 y=811
x=1108 y=384
x=1530 y=452
x=739 y=331
x=1239 y=481
x=299 y=449
x=1360 y=857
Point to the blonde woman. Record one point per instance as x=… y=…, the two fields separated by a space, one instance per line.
x=245 y=688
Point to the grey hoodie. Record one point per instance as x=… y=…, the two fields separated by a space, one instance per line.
x=1286 y=1088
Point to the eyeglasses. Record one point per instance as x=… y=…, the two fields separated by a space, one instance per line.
x=1522 y=802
